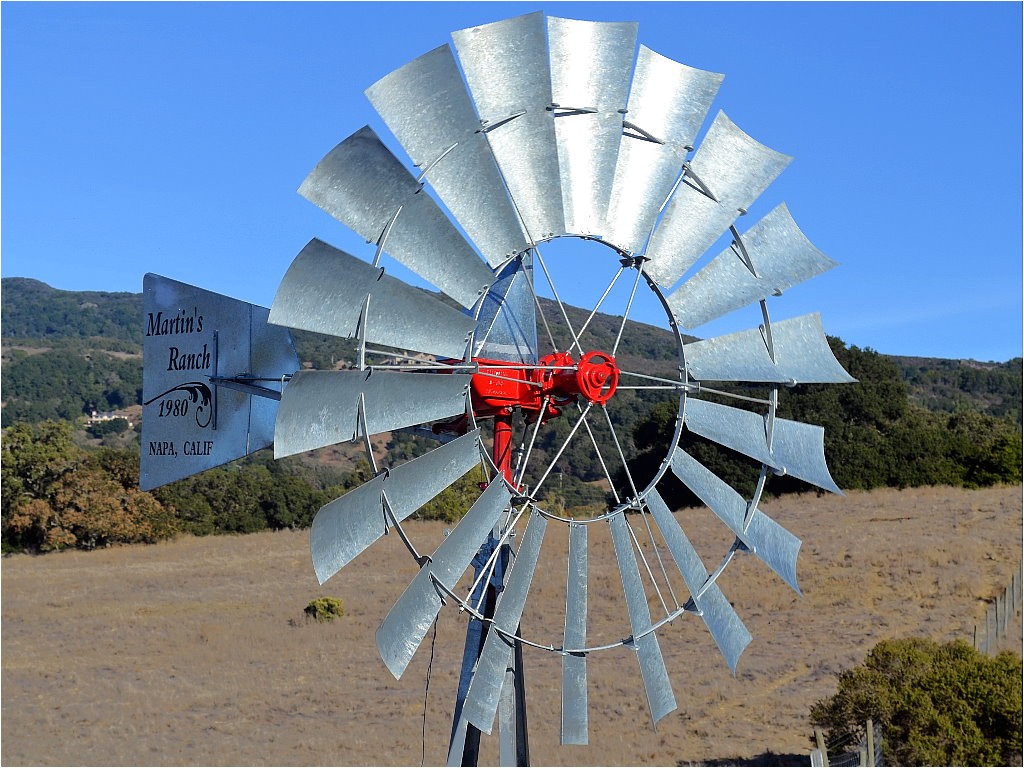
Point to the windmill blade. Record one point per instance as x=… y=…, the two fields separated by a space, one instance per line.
x=345 y=527
x=795 y=352
x=427 y=107
x=507 y=323
x=575 y=725
x=366 y=188
x=590 y=67
x=667 y=103
x=729 y=633
x=509 y=75
x=735 y=169
x=320 y=408
x=485 y=689
x=797 y=449
x=780 y=255
x=326 y=290
x=406 y=624
x=660 y=699
x=769 y=541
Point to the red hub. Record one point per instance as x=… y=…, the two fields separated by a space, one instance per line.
x=499 y=387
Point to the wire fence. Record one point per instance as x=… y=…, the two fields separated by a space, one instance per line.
x=849 y=751
x=999 y=615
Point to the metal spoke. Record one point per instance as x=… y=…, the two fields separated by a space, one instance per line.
x=643 y=514
x=540 y=311
x=629 y=305
x=648 y=377
x=561 y=306
x=600 y=458
x=561 y=449
x=598 y=305
x=533 y=438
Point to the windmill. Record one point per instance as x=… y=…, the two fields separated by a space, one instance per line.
x=524 y=131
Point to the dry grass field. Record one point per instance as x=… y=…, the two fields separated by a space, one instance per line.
x=196 y=652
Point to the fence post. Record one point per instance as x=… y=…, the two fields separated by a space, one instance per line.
x=871 y=742
x=819 y=739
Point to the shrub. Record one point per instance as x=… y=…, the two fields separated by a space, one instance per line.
x=937 y=704
x=324 y=609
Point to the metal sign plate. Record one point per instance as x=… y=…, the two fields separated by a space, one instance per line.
x=189 y=424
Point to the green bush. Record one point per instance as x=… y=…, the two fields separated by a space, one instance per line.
x=937 y=704
x=324 y=609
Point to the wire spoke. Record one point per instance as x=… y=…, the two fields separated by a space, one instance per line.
x=561 y=449
x=533 y=439
x=643 y=514
x=598 y=306
x=558 y=300
x=625 y=315
x=648 y=377
x=600 y=458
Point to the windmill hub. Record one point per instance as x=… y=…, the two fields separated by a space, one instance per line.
x=500 y=387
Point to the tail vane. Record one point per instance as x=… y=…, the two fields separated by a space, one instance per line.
x=212 y=375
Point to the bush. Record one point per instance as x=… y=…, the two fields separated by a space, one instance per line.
x=937 y=704
x=324 y=609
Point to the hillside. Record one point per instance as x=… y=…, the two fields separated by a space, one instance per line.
x=68 y=327
x=195 y=652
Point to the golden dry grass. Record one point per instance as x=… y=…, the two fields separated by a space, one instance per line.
x=196 y=652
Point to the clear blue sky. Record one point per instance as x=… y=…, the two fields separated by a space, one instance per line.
x=171 y=138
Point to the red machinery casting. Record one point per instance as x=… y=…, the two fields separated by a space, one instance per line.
x=541 y=392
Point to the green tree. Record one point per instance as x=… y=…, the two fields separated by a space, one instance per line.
x=57 y=495
x=937 y=704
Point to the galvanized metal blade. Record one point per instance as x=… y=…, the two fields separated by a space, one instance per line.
x=320 y=408
x=506 y=328
x=660 y=698
x=325 y=290
x=730 y=634
x=575 y=727
x=482 y=699
x=406 y=624
x=780 y=255
x=667 y=105
x=427 y=107
x=769 y=541
x=797 y=449
x=348 y=525
x=590 y=67
x=366 y=188
x=799 y=354
x=509 y=75
x=734 y=169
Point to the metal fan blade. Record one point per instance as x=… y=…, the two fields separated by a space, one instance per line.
x=780 y=255
x=797 y=449
x=730 y=634
x=735 y=169
x=348 y=525
x=506 y=66
x=482 y=698
x=326 y=290
x=667 y=103
x=773 y=544
x=406 y=624
x=660 y=698
x=590 y=67
x=796 y=352
x=574 y=667
x=507 y=324
x=320 y=408
x=427 y=107
x=366 y=188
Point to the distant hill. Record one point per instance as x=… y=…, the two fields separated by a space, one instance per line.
x=73 y=324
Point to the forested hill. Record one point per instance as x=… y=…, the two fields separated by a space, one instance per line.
x=52 y=333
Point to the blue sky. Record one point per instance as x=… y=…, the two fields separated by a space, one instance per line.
x=171 y=138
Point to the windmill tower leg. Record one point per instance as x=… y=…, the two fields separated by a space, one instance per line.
x=464 y=747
